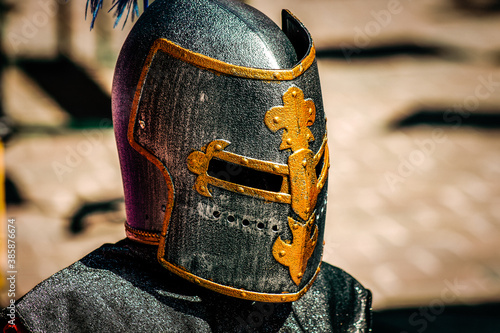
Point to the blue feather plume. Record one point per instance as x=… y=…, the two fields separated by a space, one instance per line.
x=119 y=6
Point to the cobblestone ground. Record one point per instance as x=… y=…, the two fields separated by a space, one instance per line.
x=414 y=211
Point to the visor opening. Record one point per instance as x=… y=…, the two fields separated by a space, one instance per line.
x=241 y=175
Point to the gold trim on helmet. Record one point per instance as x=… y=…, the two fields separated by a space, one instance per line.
x=220 y=67
x=146 y=237
x=235 y=292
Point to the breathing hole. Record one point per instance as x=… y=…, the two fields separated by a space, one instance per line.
x=246 y=223
x=260 y=225
x=275 y=228
x=216 y=214
x=230 y=218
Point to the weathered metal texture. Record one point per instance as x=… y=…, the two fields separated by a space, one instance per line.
x=179 y=86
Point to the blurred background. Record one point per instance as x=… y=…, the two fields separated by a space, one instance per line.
x=412 y=94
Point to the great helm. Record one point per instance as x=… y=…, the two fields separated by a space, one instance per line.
x=221 y=134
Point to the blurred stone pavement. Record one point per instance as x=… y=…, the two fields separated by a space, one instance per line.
x=412 y=94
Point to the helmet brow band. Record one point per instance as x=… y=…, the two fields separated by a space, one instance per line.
x=220 y=67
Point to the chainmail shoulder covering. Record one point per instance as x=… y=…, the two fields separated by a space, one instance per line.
x=121 y=288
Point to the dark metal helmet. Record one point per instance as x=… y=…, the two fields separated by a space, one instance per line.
x=222 y=140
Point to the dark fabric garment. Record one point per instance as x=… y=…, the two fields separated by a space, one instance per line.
x=121 y=288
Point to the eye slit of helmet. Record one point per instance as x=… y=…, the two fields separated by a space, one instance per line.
x=241 y=175
x=230 y=218
x=245 y=222
x=216 y=214
x=319 y=166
